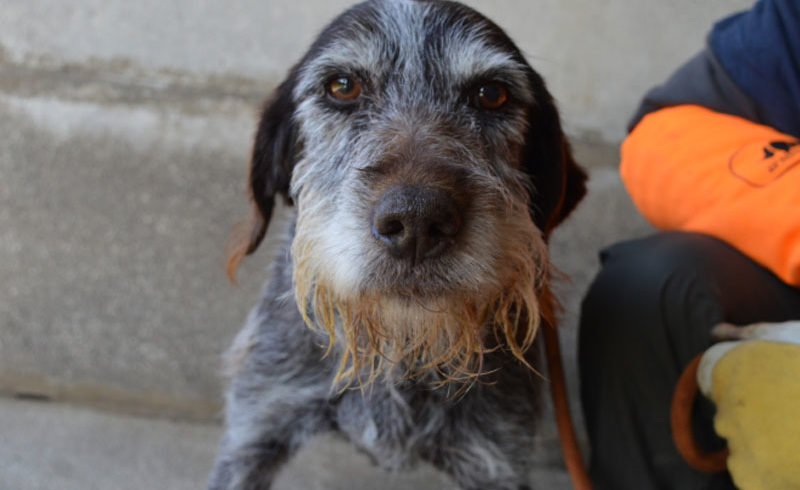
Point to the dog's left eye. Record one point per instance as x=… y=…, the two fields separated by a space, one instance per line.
x=344 y=88
x=489 y=96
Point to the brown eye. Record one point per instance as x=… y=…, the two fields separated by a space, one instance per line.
x=344 y=88
x=490 y=96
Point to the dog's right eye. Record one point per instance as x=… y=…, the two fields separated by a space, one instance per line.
x=344 y=88
x=489 y=96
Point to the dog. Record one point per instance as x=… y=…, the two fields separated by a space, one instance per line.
x=425 y=165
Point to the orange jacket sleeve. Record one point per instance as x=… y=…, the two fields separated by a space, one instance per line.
x=690 y=168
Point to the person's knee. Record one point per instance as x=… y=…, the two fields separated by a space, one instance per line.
x=628 y=287
x=643 y=292
x=636 y=272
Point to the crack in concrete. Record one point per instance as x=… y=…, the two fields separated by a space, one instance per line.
x=35 y=386
x=122 y=82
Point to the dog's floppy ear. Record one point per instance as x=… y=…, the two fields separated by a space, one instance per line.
x=558 y=182
x=271 y=164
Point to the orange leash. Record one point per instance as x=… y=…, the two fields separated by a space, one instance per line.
x=681 y=421
x=681 y=418
x=566 y=430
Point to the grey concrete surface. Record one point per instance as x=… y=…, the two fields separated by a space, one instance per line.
x=47 y=446
x=597 y=55
x=113 y=222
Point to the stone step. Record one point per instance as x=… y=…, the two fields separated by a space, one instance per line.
x=598 y=57
x=115 y=205
x=51 y=446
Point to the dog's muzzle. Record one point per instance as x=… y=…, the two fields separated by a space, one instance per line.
x=416 y=223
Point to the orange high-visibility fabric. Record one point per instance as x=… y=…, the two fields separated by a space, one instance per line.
x=690 y=168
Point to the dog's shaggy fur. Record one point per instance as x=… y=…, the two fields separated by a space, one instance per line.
x=427 y=165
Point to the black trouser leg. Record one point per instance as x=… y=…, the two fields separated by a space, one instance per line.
x=647 y=314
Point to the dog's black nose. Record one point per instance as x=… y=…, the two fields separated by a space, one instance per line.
x=416 y=223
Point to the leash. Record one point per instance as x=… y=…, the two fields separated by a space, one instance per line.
x=683 y=400
x=566 y=429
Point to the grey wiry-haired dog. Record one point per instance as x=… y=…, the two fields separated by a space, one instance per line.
x=427 y=165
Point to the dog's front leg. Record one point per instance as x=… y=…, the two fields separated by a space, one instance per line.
x=477 y=460
x=486 y=444
x=264 y=428
x=470 y=474
x=249 y=468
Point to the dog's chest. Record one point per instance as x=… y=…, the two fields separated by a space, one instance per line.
x=395 y=427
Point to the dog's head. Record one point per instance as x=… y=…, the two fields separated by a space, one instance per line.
x=428 y=166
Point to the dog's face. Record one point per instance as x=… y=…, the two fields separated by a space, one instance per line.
x=427 y=164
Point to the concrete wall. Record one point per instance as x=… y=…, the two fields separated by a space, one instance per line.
x=598 y=55
x=125 y=132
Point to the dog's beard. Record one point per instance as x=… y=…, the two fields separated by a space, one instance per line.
x=404 y=336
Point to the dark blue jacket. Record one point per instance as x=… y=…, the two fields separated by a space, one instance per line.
x=750 y=68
